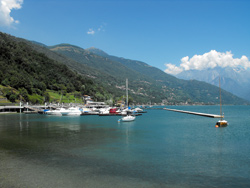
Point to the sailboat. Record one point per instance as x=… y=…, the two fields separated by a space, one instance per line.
x=128 y=117
x=221 y=122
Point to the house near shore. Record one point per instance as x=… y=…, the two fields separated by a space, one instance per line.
x=120 y=103
x=87 y=99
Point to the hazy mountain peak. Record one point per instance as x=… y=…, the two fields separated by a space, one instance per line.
x=233 y=79
x=97 y=51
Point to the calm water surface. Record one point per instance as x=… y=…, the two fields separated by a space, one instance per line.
x=159 y=149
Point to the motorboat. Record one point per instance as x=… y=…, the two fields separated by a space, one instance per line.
x=56 y=112
x=105 y=110
x=97 y=108
x=72 y=111
x=127 y=111
x=138 y=110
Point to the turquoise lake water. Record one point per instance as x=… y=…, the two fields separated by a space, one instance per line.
x=159 y=149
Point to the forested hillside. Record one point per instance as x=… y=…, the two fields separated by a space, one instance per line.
x=113 y=75
x=32 y=73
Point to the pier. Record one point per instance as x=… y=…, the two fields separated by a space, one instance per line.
x=20 y=109
x=7 y=109
x=195 y=113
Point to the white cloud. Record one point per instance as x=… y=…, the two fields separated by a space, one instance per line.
x=173 y=69
x=6 y=7
x=211 y=59
x=102 y=27
x=91 y=32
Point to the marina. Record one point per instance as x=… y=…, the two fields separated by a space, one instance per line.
x=104 y=110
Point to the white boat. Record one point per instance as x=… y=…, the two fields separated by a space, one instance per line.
x=72 y=111
x=56 y=112
x=105 y=110
x=127 y=111
x=138 y=110
x=97 y=107
x=128 y=118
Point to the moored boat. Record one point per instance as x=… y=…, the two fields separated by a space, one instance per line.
x=221 y=123
x=57 y=112
x=72 y=111
x=138 y=110
x=127 y=118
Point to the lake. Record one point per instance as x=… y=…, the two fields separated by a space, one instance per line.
x=159 y=149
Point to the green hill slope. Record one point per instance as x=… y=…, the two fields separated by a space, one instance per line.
x=32 y=73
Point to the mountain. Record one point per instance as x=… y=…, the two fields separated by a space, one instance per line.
x=234 y=80
x=143 y=68
x=113 y=74
x=155 y=82
x=97 y=52
x=69 y=67
x=168 y=80
x=29 y=74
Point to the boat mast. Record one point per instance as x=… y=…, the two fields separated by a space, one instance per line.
x=220 y=100
x=127 y=92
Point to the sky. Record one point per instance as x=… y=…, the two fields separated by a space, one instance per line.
x=172 y=35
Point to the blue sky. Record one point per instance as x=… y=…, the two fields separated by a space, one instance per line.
x=161 y=33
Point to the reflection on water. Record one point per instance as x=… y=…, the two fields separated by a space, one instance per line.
x=159 y=149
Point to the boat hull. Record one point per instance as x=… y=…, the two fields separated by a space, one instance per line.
x=128 y=118
x=221 y=123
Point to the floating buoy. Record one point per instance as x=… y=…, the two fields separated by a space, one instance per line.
x=216 y=126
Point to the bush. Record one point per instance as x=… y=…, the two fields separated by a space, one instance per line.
x=12 y=98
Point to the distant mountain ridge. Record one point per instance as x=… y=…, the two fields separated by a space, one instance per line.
x=141 y=67
x=234 y=80
x=157 y=74
x=114 y=73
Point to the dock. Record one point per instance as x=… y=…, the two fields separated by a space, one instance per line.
x=27 y=109
x=195 y=113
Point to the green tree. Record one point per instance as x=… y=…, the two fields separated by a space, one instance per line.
x=12 y=98
x=24 y=94
x=5 y=82
x=46 y=97
x=82 y=89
